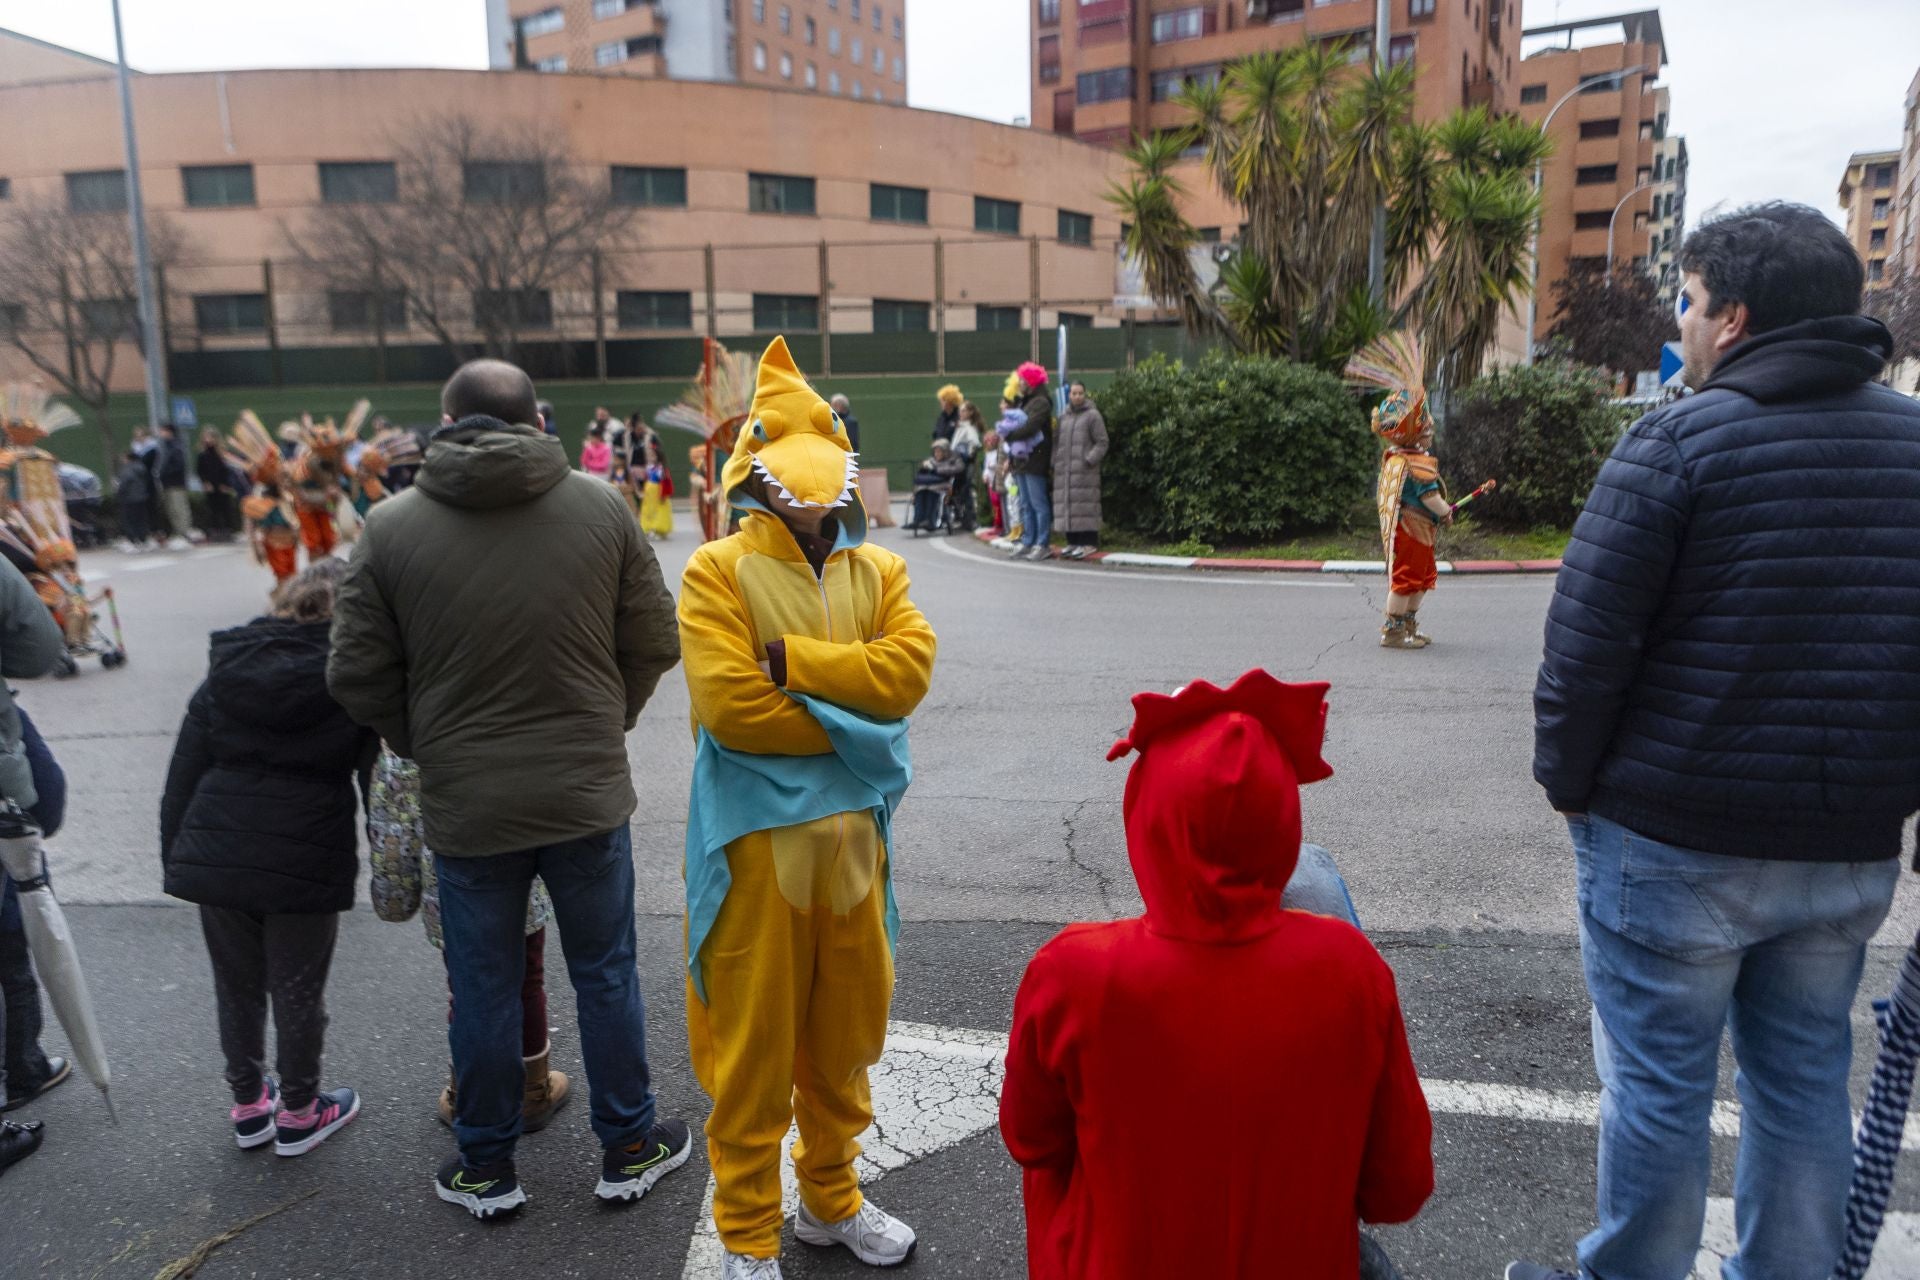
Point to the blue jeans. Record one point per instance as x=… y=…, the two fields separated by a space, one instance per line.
x=483 y=917
x=1678 y=945
x=1036 y=509
x=1317 y=886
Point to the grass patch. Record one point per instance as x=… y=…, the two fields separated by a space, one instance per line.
x=1464 y=541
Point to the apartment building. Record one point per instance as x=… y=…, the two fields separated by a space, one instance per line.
x=1867 y=197
x=1107 y=70
x=1591 y=83
x=842 y=48
x=1668 y=225
x=1906 y=205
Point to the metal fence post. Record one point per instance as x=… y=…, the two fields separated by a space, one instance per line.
x=1033 y=299
x=939 y=306
x=826 y=315
x=379 y=305
x=273 y=323
x=599 y=323
x=165 y=322
x=713 y=326
x=1132 y=326
x=66 y=325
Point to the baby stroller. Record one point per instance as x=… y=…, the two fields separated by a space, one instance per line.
x=81 y=490
x=934 y=507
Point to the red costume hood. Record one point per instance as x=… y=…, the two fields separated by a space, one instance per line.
x=1213 y=804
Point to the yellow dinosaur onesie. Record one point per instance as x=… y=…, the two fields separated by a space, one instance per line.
x=790 y=982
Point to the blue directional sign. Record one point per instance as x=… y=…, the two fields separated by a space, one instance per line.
x=184 y=413
x=1670 y=360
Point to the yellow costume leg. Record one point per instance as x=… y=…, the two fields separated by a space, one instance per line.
x=757 y=964
x=844 y=1033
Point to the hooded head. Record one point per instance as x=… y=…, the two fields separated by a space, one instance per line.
x=1213 y=804
x=795 y=443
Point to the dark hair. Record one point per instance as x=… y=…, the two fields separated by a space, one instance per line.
x=596 y=430
x=491 y=387
x=1786 y=262
x=308 y=596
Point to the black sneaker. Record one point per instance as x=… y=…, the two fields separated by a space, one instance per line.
x=253 y=1123
x=484 y=1192
x=18 y=1141
x=58 y=1069
x=297 y=1132
x=627 y=1173
x=1524 y=1270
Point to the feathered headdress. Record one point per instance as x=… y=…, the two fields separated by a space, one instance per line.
x=724 y=395
x=30 y=414
x=397 y=446
x=1393 y=362
x=251 y=451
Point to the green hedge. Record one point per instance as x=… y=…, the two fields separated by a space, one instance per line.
x=1541 y=431
x=1232 y=450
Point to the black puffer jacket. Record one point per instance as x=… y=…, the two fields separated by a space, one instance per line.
x=1733 y=649
x=258 y=813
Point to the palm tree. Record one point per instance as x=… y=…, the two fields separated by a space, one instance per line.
x=1307 y=144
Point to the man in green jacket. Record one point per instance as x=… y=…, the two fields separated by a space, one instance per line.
x=503 y=624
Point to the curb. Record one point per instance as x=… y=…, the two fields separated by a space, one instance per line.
x=1141 y=560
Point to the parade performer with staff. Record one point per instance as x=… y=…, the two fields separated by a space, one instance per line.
x=272 y=528
x=804 y=657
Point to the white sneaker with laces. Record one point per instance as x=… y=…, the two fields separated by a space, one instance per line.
x=875 y=1236
x=740 y=1266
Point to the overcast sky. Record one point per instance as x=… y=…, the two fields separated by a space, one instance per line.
x=1771 y=94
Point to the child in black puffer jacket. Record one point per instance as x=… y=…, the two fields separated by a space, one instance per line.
x=258 y=826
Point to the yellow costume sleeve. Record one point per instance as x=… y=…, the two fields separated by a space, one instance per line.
x=884 y=678
x=735 y=700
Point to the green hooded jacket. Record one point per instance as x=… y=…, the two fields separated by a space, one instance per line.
x=502 y=624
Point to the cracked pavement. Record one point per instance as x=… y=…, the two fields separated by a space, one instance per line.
x=1012 y=826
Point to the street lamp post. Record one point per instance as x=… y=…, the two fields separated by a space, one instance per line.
x=157 y=411
x=1645 y=186
x=1539 y=168
x=1377 y=240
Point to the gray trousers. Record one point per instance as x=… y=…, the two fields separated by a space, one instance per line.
x=178 y=511
x=282 y=958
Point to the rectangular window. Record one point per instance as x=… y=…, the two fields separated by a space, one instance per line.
x=359 y=182
x=857 y=51
x=607 y=55
x=1883 y=177
x=879 y=23
x=996 y=319
x=1400 y=49
x=1063 y=111
x=1600 y=128
x=611 y=8
x=813 y=76
x=1532 y=93
x=893 y=316
x=657 y=188
x=879 y=61
x=1180 y=24
x=1880 y=210
x=759 y=55
x=1112 y=85
x=543 y=23
x=899 y=28
x=654 y=309
x=1076 y=228
x=1594 y=174
x=1076 y=320
x=6 y=188
x=1420 y=8
x=109 y=317
x=513 y=308
x=778 y=193
x=553 y=64
x=1646 y=131
x=1049 y=60
x=1049 y=13
x=351 y=310
x=833 y=82
x=833 y=40
x=1877 y=270
x=897 y=204
x=786 y=66
x=858 y=92
x=786 y=20
x=101 y=191
x=759 y=10
x=230 y=312
x=1002 y=217
x=503 y=181
x=786 y=312
x=899 y=70
x=1877 y=239
x=1642 y=174
x=1591 y=220
x=853 y=9
x=812 y=30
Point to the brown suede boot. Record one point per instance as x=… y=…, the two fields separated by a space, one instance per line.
x=547 y=1092
x=1398 y=633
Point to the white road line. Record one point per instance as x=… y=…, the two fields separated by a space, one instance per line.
x=141 y=566
x=938 y=1086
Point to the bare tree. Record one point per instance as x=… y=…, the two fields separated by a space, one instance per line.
x=67 y=290
x=481 y=225
x=1898 y=304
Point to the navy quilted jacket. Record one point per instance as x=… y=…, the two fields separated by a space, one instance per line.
x=1733 y=649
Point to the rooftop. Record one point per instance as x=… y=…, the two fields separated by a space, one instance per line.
x=1641 y=27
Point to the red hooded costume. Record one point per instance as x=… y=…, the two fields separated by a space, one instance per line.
x=1219 y=1088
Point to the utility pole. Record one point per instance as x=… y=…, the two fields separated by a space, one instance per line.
x=151 y=337
x=1377 y=242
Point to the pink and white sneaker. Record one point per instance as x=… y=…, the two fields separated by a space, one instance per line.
x=298 y=1132
x=253 y=1123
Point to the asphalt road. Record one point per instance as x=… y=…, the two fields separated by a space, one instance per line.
x=1460 y=872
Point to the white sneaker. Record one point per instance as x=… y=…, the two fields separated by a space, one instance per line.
x=128 y=547
x=875 y=1236
x=178 y=544
x=740 y=1266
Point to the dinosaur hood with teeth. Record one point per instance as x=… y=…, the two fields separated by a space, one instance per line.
x=798 y=447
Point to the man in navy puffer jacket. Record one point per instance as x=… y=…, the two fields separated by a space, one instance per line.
x=1729 y=716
